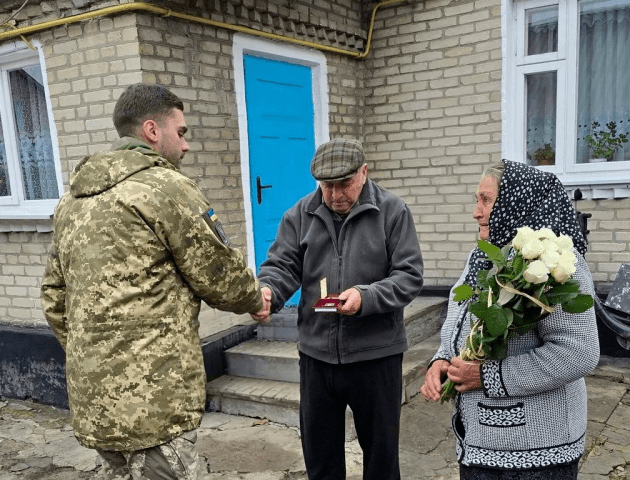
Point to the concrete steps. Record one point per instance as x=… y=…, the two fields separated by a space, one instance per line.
x=265 y=360
x=283 y=327
x=262 y=375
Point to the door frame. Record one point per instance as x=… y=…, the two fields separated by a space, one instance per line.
x=316 y=61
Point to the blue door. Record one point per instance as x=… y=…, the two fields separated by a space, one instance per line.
x=281 y=133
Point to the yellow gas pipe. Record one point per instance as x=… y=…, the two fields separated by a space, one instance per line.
x=167 y=12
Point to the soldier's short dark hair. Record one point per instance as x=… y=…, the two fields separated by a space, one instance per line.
x=140 y=102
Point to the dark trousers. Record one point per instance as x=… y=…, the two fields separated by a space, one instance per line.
x=373 y=390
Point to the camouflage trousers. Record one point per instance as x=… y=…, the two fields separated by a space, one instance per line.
x=176 y=459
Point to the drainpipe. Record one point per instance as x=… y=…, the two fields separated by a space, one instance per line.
x=167 y=12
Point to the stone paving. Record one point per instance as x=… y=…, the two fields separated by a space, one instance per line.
x=36 y=441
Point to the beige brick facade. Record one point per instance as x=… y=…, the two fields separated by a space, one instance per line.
x=433 y=118
x=426 y=102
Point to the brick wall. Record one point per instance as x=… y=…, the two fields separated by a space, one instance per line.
x=433 y=118
x=609 y=240
x=23 y=258
x=195 y=62
x=89 y=65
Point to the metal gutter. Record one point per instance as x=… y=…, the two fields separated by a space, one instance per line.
x=167 y=12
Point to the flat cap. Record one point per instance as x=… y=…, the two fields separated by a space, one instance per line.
x=337 y=160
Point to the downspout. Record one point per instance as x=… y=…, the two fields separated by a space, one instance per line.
x=167 y=12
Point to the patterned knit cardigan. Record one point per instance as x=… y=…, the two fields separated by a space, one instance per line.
x=531 y=412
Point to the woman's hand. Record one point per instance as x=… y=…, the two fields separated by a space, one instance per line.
x=465 y=374
x=431 y=389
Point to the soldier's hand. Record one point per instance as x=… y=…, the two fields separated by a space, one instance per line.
x=352 y=302
x=263 y=315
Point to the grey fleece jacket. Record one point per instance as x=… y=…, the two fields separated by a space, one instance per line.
x=377 y=251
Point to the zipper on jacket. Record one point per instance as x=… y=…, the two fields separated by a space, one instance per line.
x=339 y=316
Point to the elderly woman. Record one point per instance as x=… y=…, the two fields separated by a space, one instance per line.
x=523 y=417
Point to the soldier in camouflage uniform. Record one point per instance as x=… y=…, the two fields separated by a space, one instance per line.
x=135 y=250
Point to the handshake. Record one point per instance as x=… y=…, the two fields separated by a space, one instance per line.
x=263 y=314
x=351 y=299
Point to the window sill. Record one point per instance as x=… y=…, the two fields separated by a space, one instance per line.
x=597 y=184
x=26 y=225
x=25 y=219
x=599 y=192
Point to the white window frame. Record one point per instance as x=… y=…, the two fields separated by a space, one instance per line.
x=516 y=65
x=15 y=206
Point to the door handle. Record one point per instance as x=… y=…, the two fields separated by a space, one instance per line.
x=259 y=188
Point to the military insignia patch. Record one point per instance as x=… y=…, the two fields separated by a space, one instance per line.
x=212 y=220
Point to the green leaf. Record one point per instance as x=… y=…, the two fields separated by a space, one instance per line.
x=493 y=253
x=562 y=298
x=482 y=279
x=510 y=317
x=483 y=299
x=500 y=351
x=494 y=318
x=538 y=290
x=567 y=287
x=519 y=306
x=517 y=317
x=521 y=329
x=579 y=304
x=463 y=292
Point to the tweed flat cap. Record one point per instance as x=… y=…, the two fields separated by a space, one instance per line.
x=337 y=160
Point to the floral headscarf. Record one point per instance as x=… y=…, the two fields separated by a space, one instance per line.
x=527 y=197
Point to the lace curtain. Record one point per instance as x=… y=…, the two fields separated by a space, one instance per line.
x=604 y=72
x=541 y=112
x=541 y=87
x=4 y=174
x=34 y=143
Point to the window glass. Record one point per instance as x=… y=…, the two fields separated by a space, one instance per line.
x=603 y=74
x=5 y=188
x=541 y=118
x=542 y=30
x=33 y=131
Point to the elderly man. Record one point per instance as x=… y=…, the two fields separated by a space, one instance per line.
x=361 y=239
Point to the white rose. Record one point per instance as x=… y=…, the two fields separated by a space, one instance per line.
x=523 y=235
x=567 y=257
x=546 y=233
x=565 y=244
x=563 y=270
x=537 y=272
x=532 y=249
x=550 y=258
x=550 y=245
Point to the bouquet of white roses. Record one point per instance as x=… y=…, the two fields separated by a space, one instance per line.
x=527 y=280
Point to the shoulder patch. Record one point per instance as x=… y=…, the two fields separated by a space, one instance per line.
x=212 y=220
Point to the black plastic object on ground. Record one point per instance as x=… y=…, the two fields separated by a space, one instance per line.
x=615 y=311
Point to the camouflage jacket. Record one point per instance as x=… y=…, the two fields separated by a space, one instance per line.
x=134 y=252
